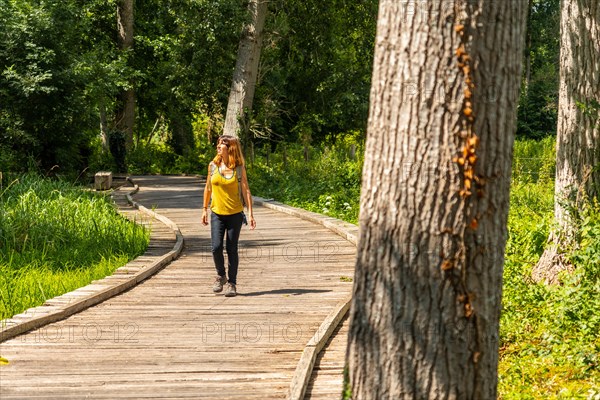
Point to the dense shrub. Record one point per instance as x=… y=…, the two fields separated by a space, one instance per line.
x=324 y=179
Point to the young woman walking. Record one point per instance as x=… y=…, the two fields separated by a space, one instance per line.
x=226 y=185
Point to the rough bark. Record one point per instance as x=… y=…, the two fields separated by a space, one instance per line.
x=246 y=70
x=578 y=132
x=426 y=304
x=125 y=113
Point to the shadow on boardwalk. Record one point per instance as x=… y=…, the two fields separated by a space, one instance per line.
x=287 y=292
x=171 y=337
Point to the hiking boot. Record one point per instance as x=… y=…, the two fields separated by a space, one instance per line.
x=218 y=285
x=230 y=292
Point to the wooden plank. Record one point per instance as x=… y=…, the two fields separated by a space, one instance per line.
x=313 y=347
x=171 y=337
x=328 y=375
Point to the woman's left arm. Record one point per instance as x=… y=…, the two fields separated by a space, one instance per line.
x=248 y=197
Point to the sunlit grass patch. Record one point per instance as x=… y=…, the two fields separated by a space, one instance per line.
x=56 y=237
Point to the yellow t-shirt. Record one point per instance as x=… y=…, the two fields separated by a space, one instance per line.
x=225 y=194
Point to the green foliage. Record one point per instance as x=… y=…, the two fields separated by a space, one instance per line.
x=328 y=183
x=158 y=157
x=538 y=102
x=116 y=144
x=549 y=343
x=534 y=161
x=55 y=237
x=317 y=63
x=60 y=68
x=44 y=111
x=185 y=52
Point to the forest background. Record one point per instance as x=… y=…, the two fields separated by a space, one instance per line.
x=62 y=71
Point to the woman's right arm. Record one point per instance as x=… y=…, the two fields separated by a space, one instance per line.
x=207 y=195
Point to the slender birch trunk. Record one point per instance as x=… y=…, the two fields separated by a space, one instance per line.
x=103 y=126
x=246 y=70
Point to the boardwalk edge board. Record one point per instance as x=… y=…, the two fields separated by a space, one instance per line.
x=303 y=372
x=70 y=303
x=305 y=366
x=344 y=229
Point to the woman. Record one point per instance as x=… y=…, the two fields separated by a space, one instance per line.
x=226 y=178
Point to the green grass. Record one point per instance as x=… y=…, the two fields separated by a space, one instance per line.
x=329 y=183
x=56 y=237
x=549 y=341
x=549 y=335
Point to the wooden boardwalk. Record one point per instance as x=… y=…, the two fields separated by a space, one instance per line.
x=171 y=337
x=327 y=379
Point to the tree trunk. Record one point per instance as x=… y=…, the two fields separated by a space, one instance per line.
x=434 y=204
x=209 y=129
x=246 y=71
x=103 y=126
x=125 y=114
x=285 y=161
x=528 y=49
x=578 y=131
x=182 y=134
x=353 y=152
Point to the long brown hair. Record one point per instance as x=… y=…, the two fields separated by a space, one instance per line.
x=235 y=151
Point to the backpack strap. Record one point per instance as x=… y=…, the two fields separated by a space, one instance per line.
x=238 y=171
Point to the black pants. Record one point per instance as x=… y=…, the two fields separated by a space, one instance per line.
x=230 y=226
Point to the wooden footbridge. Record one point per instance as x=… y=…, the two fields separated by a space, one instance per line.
x=154 y=329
